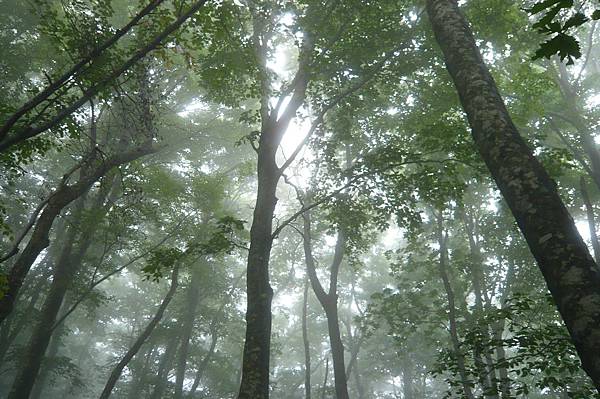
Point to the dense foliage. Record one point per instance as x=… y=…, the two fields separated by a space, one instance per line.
x=136 y=137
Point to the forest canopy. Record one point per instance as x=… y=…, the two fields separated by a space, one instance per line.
x=299 y=199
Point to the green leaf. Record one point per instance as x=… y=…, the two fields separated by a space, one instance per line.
x=566 y=46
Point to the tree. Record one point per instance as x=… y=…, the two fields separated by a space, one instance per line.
x=569 y=270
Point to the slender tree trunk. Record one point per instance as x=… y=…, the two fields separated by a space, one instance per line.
x=193 y=299
x=443 y=269
x=307 y=391
x=328 y=301
x=498 y=331
x=589 y=209
x=118 y=369
x=562 y=255
x=255 y=369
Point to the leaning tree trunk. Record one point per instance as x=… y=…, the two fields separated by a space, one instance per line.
x=116 y=372
x=41 y=335
x=95 y=167
x=67 y=266
x=570 y=272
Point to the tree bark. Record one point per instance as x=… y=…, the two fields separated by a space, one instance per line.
x=118 y=369
x=570 y=272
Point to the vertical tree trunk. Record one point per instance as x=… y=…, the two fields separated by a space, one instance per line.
x=118 y=369
x=443 y=269
x=589 y=209
x=569 y=270
x=274 y=123
x=306 y=342
x=255 y=368
x=193 y=298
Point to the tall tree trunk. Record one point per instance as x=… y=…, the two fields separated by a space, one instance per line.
x=570 y=272
x=305 y=341
x=40 y=381
x=589 y=209
x=497 y=333
x=328 y=301
x=67 y=266
x=255 y=368
x=274 y=123
x=41 y=335
x=118 y=369
x=452 y=317
x=187 y=328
